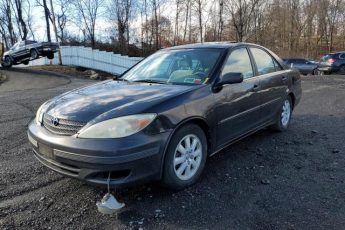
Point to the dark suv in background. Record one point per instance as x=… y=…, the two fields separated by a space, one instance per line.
x=304 y=66
x=333 y=62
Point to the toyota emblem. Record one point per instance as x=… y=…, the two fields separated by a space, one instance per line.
x=55 y=121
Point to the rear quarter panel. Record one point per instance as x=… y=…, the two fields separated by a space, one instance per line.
x=295 y=86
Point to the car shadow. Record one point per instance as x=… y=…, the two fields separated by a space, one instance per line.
x=250 y=184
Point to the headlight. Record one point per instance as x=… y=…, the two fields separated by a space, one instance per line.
x=118 y=127
x=39 y=115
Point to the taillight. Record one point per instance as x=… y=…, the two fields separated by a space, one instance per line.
x=331 y=60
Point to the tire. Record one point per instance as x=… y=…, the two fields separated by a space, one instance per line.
x=33 y=54
x=50 y=55
x=316 y=72
x=7 y=62
x=25 y=62
x=284 y=116
x=183 y=167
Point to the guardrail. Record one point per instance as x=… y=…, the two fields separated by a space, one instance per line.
x=91 y=58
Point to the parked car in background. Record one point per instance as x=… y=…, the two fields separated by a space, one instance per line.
x=164 y=117
x=24 y=51
x=333 y=63
x=303 y=65
x=313 y=61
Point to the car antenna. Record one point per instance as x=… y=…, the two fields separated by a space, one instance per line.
x=109 y=204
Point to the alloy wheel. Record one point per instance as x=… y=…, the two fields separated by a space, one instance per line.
x=7 y=61
x=187 y=157
x=286 y=113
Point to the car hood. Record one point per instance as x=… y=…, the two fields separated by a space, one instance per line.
x=111 y=99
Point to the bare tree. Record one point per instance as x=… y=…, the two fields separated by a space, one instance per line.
x=199 y=8
x=19 y=13
x=55 y=28
x=155 y=23
x=335 y=9
x=187 y=10
x=61 y=11
x=221 y=21
x=121 y=9
x=176 y=32
x=89 y=12
x=7 y=28
x=30 y=20
x=241 y=12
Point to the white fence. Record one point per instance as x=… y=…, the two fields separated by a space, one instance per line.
x=89 y=58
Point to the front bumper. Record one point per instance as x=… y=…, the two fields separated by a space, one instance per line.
x=130 y=160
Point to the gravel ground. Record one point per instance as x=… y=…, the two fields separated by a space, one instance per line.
x=291 y=180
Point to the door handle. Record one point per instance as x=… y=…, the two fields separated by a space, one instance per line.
x=284 y=78
x=255 y=87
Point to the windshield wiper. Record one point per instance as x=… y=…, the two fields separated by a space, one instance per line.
x=151 y=81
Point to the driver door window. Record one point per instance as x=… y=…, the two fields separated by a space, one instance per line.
x=239 y=62
x=264 y=61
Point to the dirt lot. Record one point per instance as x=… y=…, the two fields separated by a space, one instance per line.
x=291 y=180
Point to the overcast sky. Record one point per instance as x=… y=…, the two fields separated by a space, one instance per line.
x=104 y=27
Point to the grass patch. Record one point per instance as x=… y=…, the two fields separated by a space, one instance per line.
x=73 y=71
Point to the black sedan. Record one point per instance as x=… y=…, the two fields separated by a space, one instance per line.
x=303 y=65
x=166 y=115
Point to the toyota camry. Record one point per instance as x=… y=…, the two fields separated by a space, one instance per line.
x=165 y=116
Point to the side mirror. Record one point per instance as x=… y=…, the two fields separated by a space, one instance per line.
x=228 y=78
x=231 y=78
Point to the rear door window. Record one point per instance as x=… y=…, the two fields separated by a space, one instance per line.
x=263 y=60
x=239 y=62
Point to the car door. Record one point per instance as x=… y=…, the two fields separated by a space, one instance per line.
x=237 y=103
x=273 y=83
x=19 y=51
x=305 y=66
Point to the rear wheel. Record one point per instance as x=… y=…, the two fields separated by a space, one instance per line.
x=33 y=54
x=284 y=116
x=185 y=158
x=50 y=55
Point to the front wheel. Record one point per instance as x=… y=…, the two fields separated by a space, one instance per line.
x=185 y=158
x=284 y=116
x=7 y=62
x=316 y=72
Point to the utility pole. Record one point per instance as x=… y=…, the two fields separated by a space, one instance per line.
x=55 y=29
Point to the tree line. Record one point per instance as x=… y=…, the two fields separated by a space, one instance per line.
x=291 y=28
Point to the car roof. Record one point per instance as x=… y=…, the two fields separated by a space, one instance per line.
x=206 y=45
x=295 y=59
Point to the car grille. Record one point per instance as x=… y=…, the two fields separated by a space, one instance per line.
x=64 y=127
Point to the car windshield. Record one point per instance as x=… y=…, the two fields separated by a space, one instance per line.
x=185 y=66
x=15 y=46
